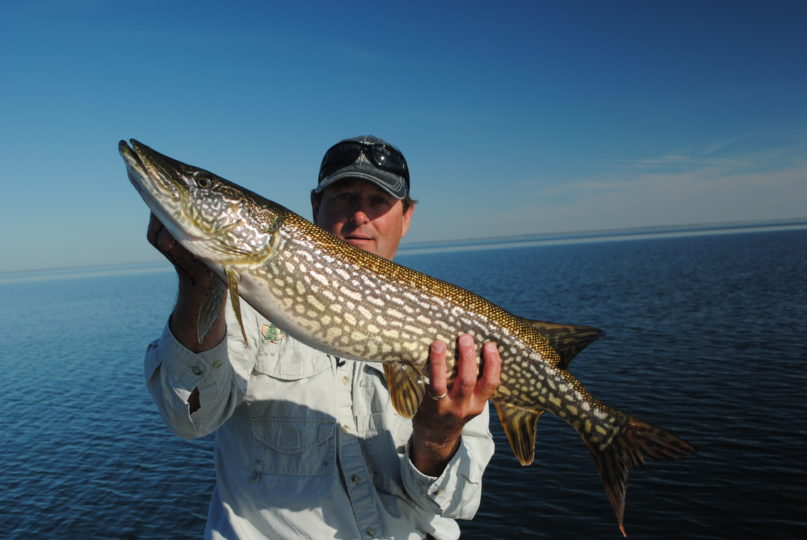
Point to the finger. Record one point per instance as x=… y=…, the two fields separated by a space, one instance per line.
x=491 y=371
x=437 y=368
x=153 y=230
x=467 y=368
x=159 y=237
x=166 y=242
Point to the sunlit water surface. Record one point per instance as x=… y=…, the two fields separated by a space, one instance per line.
x=705 y=337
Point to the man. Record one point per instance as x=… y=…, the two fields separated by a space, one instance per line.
x=307 y=445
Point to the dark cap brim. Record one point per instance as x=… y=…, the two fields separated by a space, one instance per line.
x=391 y=183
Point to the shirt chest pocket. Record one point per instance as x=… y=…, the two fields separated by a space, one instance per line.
x=293 y=433
x=294 y=446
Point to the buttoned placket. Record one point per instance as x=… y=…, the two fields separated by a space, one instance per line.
x=351 y=460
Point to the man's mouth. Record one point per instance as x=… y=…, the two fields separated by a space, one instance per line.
x=357 y=239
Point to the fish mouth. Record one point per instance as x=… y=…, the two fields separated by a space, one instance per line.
x=152 y=172
x=133 y=162
x=163 y=185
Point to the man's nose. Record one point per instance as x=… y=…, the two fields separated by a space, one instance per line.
x=360 y=214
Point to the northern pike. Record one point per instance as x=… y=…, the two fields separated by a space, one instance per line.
x=352 y=304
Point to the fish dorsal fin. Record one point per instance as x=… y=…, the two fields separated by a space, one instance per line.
x=406 y=387
x=232 y=285
x=567 y=339
x=520 y=426
x=211 y=308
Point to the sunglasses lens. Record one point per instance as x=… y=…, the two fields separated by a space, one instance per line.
x=345 y=154
x=338 y=157
x=390 y=160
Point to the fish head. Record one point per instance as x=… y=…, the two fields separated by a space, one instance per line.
x=216 y=220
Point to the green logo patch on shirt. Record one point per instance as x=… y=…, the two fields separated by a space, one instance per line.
x=272 y=333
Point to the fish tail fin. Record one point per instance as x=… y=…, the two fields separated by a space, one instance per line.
x=629 y=448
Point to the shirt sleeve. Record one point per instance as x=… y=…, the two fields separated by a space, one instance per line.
x=220 y=375
x=457 y=492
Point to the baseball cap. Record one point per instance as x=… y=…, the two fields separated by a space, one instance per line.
x=367 y=157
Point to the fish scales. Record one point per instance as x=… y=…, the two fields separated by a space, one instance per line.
x=357 y=299
x=353 y=304
x=357 y=327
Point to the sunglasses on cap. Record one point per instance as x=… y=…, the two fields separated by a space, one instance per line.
x=383 y=156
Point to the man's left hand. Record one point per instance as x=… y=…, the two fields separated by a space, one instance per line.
x=437 y=426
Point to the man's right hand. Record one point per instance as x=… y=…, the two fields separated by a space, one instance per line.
x=195 y=279
x=190 y=269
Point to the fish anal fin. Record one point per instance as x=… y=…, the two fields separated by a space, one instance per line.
x=520 y=426
x=406 y=388
x=567 y=339
x=232 y=286
x=629 y=448
x=210 y=310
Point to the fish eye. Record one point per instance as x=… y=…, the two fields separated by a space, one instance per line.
x=204 y=182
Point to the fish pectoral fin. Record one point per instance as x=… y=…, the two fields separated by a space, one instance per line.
x=520 y=426
x=210 y=309
x=225 y=248
x=406 y=387
x=567 y=339
x=232 y=286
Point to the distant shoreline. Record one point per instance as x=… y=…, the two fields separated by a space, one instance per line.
x=605 y=235
x=445 y=246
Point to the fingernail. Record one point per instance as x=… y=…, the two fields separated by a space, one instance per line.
x=466 y=340
x=438 y=347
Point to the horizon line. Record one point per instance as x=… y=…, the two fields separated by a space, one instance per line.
x=462 y=244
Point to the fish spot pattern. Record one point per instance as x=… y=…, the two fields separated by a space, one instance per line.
x=365 y=307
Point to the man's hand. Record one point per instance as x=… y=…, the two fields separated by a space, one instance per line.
x=195 y=278
x=192 y=271
x=437 y=426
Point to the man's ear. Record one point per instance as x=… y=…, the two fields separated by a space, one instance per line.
x=315 y=200
x=407 y=219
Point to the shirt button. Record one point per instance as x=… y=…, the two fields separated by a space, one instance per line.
x=355 y=478
x=345 y=428
x=345 y=380
x=196 y=370
x=370 y=532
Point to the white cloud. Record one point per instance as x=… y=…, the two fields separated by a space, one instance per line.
x=707 y=186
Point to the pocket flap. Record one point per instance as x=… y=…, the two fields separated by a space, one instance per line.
x=290 y=360
x=292 y=435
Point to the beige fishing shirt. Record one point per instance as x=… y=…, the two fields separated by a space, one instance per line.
x=307 y=445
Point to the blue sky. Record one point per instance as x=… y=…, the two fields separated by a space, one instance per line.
x=515 y=117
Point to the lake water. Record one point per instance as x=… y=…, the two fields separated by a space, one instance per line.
x=705 y=337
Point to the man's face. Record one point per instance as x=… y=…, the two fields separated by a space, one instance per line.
x=364 y=215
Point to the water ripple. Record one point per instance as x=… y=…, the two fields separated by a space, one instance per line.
x=705 y=338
